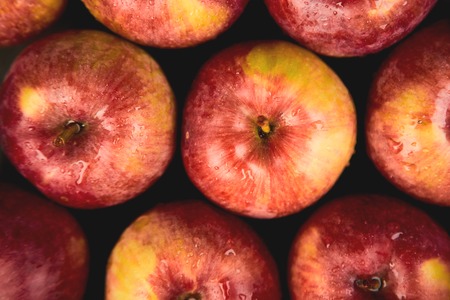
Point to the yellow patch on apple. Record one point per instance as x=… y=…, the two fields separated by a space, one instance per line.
x=199 y=15
x=301 y=69
x=46 y=9
x=308 y=247
x=280 y=59
x=382 y=8
x=31 y=102
x=436 y=273
x=127 y=283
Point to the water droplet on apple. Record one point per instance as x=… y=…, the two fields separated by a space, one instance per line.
x=409 y=167
x=225 y=288
x=396 y=146
x=391 y=265
x=318 y=124
x=28 y=145
x=230 y=252
x=396 y=235
x=31 y=128
x=334 y=12
x=242 y=297
x=196 y=242
x=216 y=168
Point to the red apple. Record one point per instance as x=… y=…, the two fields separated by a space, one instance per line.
x=167 y=23
x=189 y=250
x=348 y=28
x=22 y=20
x=408 y=115
x=267 y=129
x=43 y=250
x=370 y=247
x=87 y=118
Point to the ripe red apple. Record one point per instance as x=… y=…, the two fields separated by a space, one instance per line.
x=43 y=250
x=88 y=118
x=370 y=247
x=408 y=115
x=22 y=20
x=267 y=129
x=167 y=23
x=190 y=250
x=348 y=28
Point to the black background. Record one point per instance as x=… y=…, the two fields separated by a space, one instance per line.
x=104 y=226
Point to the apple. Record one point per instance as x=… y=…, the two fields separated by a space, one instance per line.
x=190 y=250
x=88 y=118
x=348 y=28
x=369 y=246
x=22 y=20
x=167 y=23
x=408 y=115
x=43 y=250
x=267 y=129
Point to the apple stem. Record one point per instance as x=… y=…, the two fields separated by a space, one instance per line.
x=372 y=284
x=71 y=128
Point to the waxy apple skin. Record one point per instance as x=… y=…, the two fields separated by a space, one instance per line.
x=167 y=23
x=43 y=250
x=358 y=237
x=190 y=248
x=22 y=20
x=348 y=28
x=408 y=116
x=118 y=94
x=267 y=129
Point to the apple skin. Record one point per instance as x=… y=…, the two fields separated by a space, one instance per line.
x=310 y=116
x=167 y=23
x=118 y=94
x=43 y=250
x=357 y=237
x=408 y=115
x=23 y=20
x=190 y=250
x=348 y=28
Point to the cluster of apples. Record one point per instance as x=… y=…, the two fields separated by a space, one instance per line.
x=90 y=120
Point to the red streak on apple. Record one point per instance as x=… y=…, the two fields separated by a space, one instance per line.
x=118 y=97
x=190 y=250
x=167 y=23
x=267 y=129
x=348 y=27
x=407 y=124
x=370 y=247
x=43 y=250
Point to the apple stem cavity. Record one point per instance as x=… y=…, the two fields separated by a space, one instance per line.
x=264 y=127
x=372 y=284
x=71 y=128
x=190 y=296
